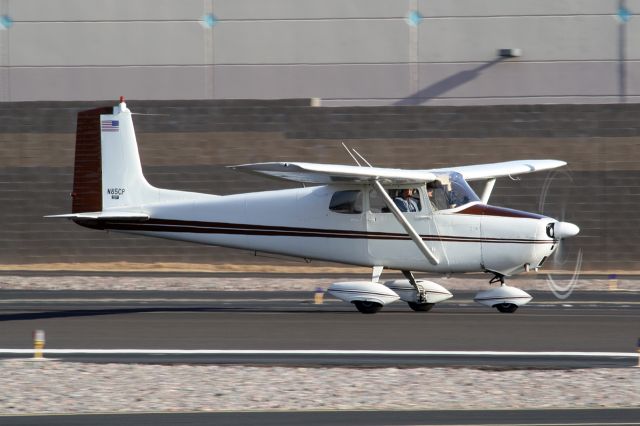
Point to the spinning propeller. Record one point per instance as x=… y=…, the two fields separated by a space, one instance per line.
x=556 y=207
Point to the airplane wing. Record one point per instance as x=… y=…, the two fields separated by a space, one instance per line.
x=315 y=173
x=508 y=168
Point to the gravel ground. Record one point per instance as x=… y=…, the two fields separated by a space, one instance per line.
x=61 y=387
x=64 y=387
x=187 y=283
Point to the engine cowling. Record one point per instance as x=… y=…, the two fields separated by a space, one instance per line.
x=434 y=293
x=363 y=291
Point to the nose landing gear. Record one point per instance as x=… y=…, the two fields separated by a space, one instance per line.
x=506 y=308
x=497 y=277
x=505 y=299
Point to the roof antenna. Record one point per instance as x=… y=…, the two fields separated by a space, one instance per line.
x=150 y=113
x=350 y=154
x=363 y=159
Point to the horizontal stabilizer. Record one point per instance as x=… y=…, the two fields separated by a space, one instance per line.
x=333 y=173
x=103 y=216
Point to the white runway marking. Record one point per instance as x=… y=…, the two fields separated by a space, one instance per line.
x=320 y=352
x=552 y=424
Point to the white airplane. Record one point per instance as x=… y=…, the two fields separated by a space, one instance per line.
x=407 y=220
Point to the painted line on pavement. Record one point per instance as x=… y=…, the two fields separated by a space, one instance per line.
x=320 y=352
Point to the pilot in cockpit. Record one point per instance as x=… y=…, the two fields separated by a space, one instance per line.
x=437 y=195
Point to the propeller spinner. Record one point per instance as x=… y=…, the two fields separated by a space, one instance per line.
x=565 y=230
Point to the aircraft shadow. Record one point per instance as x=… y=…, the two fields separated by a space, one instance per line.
x=70 y=313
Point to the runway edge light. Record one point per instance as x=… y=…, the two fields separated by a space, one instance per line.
x=38 y=344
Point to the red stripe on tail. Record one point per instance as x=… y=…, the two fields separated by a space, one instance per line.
x=87 y=174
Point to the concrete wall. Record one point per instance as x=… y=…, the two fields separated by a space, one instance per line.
x=188 y=146
x=360 y=52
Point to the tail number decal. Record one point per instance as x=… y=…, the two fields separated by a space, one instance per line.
x=115 y=193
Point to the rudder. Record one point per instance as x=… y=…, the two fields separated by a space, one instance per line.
x=87 y=172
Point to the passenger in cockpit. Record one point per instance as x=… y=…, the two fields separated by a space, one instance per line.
x=405 y=201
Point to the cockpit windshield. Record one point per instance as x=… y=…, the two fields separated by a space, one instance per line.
x=449 y=191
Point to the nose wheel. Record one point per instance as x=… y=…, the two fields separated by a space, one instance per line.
x=504 y=298
x=506 y=308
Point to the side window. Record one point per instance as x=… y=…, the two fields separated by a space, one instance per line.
x=407 y=200
x=438 y=196
x=450 y=192
x=348 y=202
x=376 y=202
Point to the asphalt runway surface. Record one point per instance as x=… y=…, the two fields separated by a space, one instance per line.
x=285 y=321
x=619 y=417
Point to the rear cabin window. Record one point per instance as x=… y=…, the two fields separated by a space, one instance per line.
x=347 y=202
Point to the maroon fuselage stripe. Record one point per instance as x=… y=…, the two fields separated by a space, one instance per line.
x=196 y=227
x=487 y=210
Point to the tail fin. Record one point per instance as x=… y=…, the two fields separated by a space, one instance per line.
x=108 y=174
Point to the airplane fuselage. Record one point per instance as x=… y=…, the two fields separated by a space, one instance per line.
x=299 y=222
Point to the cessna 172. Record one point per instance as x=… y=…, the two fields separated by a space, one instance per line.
x=408 y=220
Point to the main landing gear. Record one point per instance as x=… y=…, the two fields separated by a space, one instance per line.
x=421 y=307
x=421 y=296
x=505 y=299
x=366 y=307
x=370 y=296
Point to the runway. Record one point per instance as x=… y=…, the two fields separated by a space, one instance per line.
x=585 y=417
x=285 y=321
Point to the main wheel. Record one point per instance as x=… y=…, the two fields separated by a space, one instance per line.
x=421 y=307
x=506 y=308
x=367 y=307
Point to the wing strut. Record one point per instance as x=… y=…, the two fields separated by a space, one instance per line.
x=405 y=224
x=488 y=187
x=377 y=271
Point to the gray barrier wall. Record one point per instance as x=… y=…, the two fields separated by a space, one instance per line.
x=188 y=145
x=357 y=52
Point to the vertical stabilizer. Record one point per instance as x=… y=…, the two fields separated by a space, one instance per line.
x=108 y=174
x=123 y=184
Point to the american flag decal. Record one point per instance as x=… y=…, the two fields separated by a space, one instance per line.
x=110 y=125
